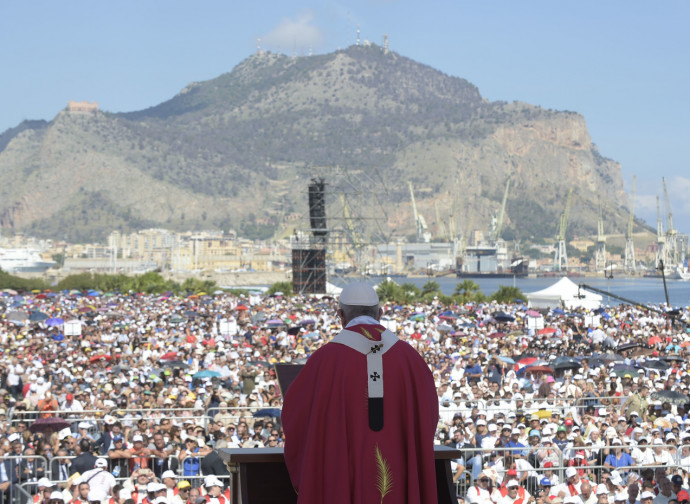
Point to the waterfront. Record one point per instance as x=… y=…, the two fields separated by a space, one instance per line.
x=643 y=290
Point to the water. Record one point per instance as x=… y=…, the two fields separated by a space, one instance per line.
x=642 y=290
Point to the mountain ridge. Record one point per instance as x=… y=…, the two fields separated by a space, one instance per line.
x=239 y=148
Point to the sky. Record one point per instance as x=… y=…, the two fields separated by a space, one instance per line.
x=623 y=64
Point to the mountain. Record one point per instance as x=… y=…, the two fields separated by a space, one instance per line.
x=237 y=152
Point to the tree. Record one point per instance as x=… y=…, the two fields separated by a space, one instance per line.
x=388 y=290
x=507 y=294
x=431 y=287
x=284 y=287
x=468 y=290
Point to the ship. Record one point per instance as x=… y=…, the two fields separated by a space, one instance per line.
x=681 y=272
x=490 y=261
x=23 y=260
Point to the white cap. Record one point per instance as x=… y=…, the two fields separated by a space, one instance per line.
x=154 y=486
x=210 y=481
x=64 y=433
x=45 y=482
x=492 y=427
x=168 y=474
x=359 y=294
x=512 y=483
x=570 y=472
x=101 y=462
x=137 y=437
x=620 y=496
x=481 y=422
x=601 y=489
x=56 y=494
x=647 y=495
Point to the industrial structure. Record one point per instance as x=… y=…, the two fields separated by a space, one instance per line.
x=629 y=255
x=560 y=262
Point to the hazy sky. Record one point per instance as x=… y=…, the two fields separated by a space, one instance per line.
x=624 y=65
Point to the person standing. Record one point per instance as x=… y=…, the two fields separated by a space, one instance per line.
x=379 y=394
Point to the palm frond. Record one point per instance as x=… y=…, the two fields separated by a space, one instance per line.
x=384 y=478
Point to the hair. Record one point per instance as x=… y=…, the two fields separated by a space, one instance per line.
x=85 y=445
x=352 y=311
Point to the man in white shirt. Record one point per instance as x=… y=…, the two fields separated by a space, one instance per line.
x=514 y=494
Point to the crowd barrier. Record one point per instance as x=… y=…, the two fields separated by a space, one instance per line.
x=466 y=478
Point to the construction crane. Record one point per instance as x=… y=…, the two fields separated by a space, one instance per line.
x=671 y=232
x=560 y=262
x=660 y=236
x=354 y=235
x=499 y=222
x=600 y=248
x=419 y=221
x=440 y=226
x=629 y=243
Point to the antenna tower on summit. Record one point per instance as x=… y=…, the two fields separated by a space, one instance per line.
x=385 y=43
x=358 y=35
x=258 y=46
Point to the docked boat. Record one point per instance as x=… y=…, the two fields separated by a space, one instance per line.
x=681 y=272
x=23 y=260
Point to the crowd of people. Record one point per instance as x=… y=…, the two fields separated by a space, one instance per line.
x=133 y=402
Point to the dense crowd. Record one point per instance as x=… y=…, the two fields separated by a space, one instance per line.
x=135 y=406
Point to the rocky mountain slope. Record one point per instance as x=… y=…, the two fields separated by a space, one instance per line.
x=238 y=151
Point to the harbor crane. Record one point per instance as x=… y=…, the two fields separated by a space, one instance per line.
x=600 y=247
x=440 y=226
x=629 y=243
x=660 y=236
x=423 y=234
x=560 y=262
x=672 y=249
x=499 y=222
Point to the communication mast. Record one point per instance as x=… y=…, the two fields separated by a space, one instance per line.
x=629 y=243
x=671 y=232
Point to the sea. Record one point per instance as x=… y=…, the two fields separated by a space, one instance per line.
x=643 y=290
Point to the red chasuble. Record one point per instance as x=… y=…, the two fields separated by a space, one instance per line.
x=332 y=452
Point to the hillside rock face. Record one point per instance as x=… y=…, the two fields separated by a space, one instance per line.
x=237 y=151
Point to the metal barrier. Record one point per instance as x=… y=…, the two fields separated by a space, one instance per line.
x=22 y=472
x=557 y=469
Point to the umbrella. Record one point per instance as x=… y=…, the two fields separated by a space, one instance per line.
x=241 y=307
x=175 y=364
x=268 y=412
x=639 y=352
x=190 y=314
x=538 y=369
x=670 y=396
x=532 y=313
x=610 y=357
x=547 y=330
x=657 y=364
x=569 y=364
x=86 y=309
x=503 y=317
x=54 y=322
x=497 y=335
x=100 y=357
x=628 y=346
x=275 y=323
x=50 y=424
x=527 y=361
x=558 y=311
x=169 y=356
x=505 y=359
x=207 y=374
x=444 y=328
x=307 y=322
x=673 y=358
x=17 y=316
x=627 y=370
x=37 y=316
x=176 y=319
x=294 y=331
x=654 y=340
x=418 y=317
